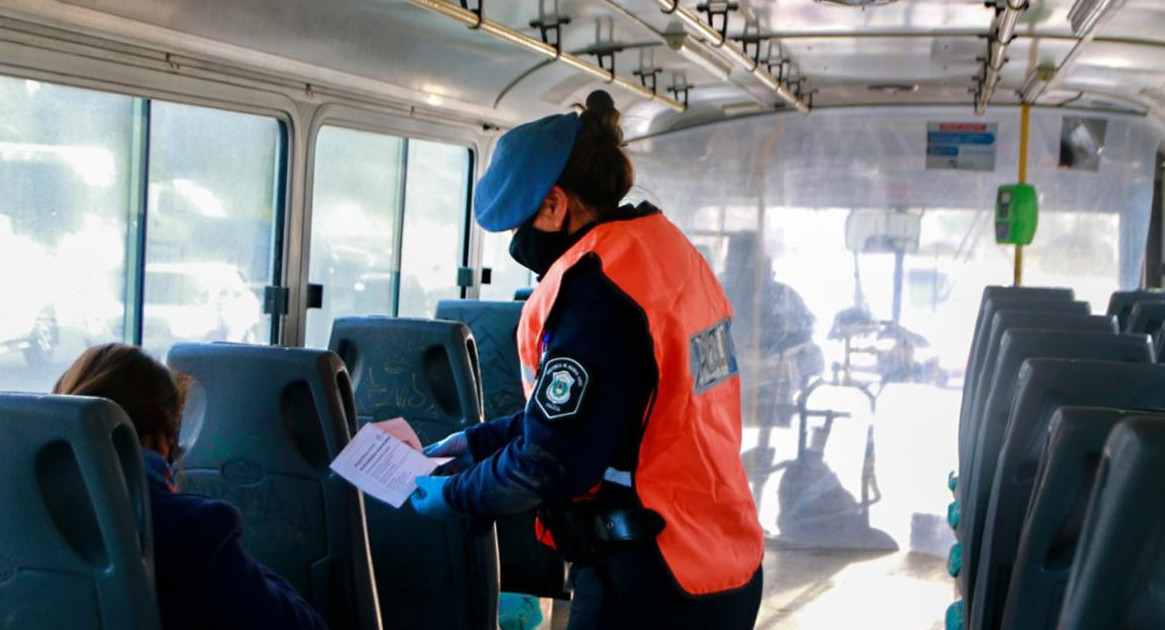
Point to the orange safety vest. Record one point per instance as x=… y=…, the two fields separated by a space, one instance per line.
x=689 y=470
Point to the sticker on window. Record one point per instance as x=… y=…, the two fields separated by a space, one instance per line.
x=712 y=356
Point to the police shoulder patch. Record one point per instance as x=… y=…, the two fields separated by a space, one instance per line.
x=561 y=388
x=712 y=356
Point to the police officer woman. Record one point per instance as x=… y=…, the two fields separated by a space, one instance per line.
x=629 y=443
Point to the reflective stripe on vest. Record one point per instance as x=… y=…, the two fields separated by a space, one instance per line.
x=690 y=470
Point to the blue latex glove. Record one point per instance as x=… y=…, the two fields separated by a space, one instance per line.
x=455 y=446
x=429 y=498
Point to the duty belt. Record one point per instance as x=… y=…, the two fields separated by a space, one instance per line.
x=580 y=531
x=629 y=525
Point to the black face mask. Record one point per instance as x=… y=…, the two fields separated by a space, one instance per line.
x=537 y=250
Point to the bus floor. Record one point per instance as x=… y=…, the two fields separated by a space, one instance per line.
x=855 y=524
x=835 y=590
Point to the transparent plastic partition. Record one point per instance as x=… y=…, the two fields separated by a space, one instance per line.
x=852 y=358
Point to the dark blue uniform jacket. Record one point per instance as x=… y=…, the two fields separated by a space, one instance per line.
x=530 y=459
x=205 y=579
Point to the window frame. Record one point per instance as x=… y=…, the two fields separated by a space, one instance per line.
x=138 y=240
x=216 y=96
x=379 y=122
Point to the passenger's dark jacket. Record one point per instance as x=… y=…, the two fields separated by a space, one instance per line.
x=206 y=580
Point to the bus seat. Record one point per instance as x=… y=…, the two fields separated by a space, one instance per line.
x=422 y=369
x=1024 y=442
x=495 y=331
x=1002 y=322
x=527 y=566
x=1018 y=347
x=1013 y=299
x=1146 y=317
x=523 y=294
x=429 y=574
x=1116 y=577
x=980 y=347
x=77 y=548
x=1044 y=385
x=1051 y=529
x=260 y=429
x=1121 y=303
x=990 y=293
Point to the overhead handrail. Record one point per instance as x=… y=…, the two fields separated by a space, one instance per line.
x=716 y=39
x=476 y=20
x=1001 y=36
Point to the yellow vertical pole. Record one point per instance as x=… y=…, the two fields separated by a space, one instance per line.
x=1024 y=128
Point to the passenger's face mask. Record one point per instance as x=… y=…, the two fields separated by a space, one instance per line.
x=537 y=250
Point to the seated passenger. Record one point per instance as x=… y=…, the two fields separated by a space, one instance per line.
x=205 y=579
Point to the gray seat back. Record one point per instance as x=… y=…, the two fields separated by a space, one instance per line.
x=1019 y=346
x=1119 y=568
x=77 y=548
x=260 y=429
x=1004 y=298
x=495 y=330
x=1121 y=303
x=1001 y=322
x=991 y=293
x=1024 y=441
x=1146 y=317
x=1044 y=385
x=527 y=566
x=422 y=369
x=1055 y=516
x=430 y=574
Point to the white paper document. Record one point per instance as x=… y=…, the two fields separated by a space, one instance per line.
x=384 y=460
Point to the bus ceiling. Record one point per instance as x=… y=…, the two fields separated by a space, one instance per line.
x=669 y=63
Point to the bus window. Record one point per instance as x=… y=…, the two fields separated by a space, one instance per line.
x=64 y=175
x=508 y=275
x=435 y=197
x=355 y=219
x=211 y=216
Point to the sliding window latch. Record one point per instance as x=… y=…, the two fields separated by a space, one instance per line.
x=315 y=296
x=275 y=300
x=465 y=277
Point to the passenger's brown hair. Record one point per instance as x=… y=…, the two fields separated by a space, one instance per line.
x=597 y=171
x=151 y=395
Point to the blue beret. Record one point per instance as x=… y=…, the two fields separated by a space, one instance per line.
x=526 y=163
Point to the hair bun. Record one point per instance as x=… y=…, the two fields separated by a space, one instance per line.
x=600 y=102
x=601 y=113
